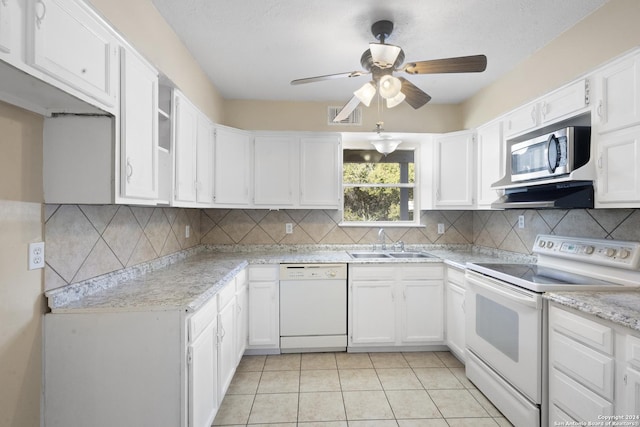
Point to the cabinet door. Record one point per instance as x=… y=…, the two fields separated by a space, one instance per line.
x=5 y=26
x=521 y=120
x=564 y=102
x=203 y=378
x=71 y=45
x=426 y=165
x=373 y=312
x=264 y=314
x=454 y=170
x=231 y=167
x=491 y=158
x=421 y=311
x=619 y=95
x=242 y=320
x=227 y=351
x=455 y=319
x=275 y=170
x=138 y=127
x=320 y=174
x=631 y=392
x=204 y=160
x=619 y=169
x=185 y=135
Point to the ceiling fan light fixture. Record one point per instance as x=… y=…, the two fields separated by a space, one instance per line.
x=384 y=55
x=366 y=93
x=389 y=86
x=386 y=145
x=396 y=100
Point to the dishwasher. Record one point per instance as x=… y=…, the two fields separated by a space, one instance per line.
x=313 y=307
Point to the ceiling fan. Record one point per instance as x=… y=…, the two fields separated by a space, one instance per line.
x=381 y=60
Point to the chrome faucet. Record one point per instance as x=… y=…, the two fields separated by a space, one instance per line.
x=398 y=246
x=382 y=239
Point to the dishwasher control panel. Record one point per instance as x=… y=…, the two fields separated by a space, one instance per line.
x=313 y=271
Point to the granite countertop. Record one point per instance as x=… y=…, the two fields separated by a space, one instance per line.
x=185 y=281
x=620 y=307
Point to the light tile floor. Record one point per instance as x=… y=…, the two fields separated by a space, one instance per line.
x=422 y=389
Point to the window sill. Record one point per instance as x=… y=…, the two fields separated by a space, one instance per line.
x=381 y=224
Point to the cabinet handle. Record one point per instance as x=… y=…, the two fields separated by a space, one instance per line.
x=42 y=10
x=545 y=109
x=129 y=170
x=599 y=109
x=223 y=333
x=625 y=379
x=600 y=162
x=533 y=114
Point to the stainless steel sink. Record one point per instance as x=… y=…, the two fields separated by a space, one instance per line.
x=368 y=255
x=410 y=255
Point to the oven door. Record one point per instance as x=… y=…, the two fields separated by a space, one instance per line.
x=504 y=329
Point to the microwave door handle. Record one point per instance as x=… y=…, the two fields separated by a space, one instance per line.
x=555 y=153
x=492 y=286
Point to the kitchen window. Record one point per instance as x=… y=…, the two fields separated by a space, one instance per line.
x=379 y=189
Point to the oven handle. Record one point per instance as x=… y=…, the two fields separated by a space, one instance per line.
x=505 y=290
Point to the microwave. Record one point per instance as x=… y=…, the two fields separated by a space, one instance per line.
x=551 y=155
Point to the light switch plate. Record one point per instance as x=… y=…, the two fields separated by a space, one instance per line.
x=520 y=221
x=440 y=228
x=36 y=255
x=288 y=228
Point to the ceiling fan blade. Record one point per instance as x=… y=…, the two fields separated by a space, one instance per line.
x=347 y=109
x=415 y=96
x=328 y=77
x=460 y=64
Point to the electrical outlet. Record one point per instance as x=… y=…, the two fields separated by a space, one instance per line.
x=520 y=221
x=440 y=228
x=36 y=255
x=187 y=231
x=288 y=228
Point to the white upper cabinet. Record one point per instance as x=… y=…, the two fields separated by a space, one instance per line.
x=204 y=160
x=618 y=169
x=5 y=25
x=138 y=127
x=564 y=102
x=618 y=87
x=490 y=164
x=454 y=170
x=521 y=119
x=69 y=44
x=232 y=162
x=275 y=170
x=184 y=146
x=426 y=165
x=320 y=172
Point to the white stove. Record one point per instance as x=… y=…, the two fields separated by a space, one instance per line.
x=506 y=315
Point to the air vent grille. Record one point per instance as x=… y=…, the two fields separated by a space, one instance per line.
x=354 y=119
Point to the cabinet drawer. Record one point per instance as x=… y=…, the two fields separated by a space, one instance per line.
x=420 y=272
x=583 y=330
x=199 y=321
x=455 y=276
x=372 y=272
x=242 y=279
x=576 y=400
x=226 y=294
x=587 y=366
x=263 y=273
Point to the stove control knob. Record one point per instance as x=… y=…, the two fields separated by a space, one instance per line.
x=589 y=250
x=550 y=244
x=542 y=243
x=610 y=252
x=624 y=253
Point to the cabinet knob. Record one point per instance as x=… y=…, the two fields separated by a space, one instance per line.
x=41 y=11
x=599 y=109
x=129 y=170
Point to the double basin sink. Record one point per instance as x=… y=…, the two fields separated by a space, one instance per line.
x=397 y=255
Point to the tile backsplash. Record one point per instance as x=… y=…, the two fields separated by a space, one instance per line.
x=85 y=241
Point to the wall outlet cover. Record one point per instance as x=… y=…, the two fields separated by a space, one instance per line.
x=288 y=228
x=440 y=228
x=520 y=221
x=36 y=255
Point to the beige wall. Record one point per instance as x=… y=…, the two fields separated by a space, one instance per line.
x=605 y=34
x=312 y=116
x=143 y=26
x=21 y=301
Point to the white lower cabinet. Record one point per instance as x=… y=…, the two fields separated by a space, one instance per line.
x=264 y=308
x=454 y=307
x=242 y=310
x=157 y=367
x=395 y=305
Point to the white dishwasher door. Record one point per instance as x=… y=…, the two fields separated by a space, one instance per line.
x=313 y=307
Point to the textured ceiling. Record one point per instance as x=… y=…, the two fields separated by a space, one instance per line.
x=252 y=49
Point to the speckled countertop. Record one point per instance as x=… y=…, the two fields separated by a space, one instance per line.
x=186 y=280
x=620 y=307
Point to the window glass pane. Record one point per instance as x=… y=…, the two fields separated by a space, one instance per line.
x=369 y=193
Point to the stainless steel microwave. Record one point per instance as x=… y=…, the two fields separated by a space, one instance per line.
x=551 y=155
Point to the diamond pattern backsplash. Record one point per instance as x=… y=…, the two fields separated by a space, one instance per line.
x=85 y=241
